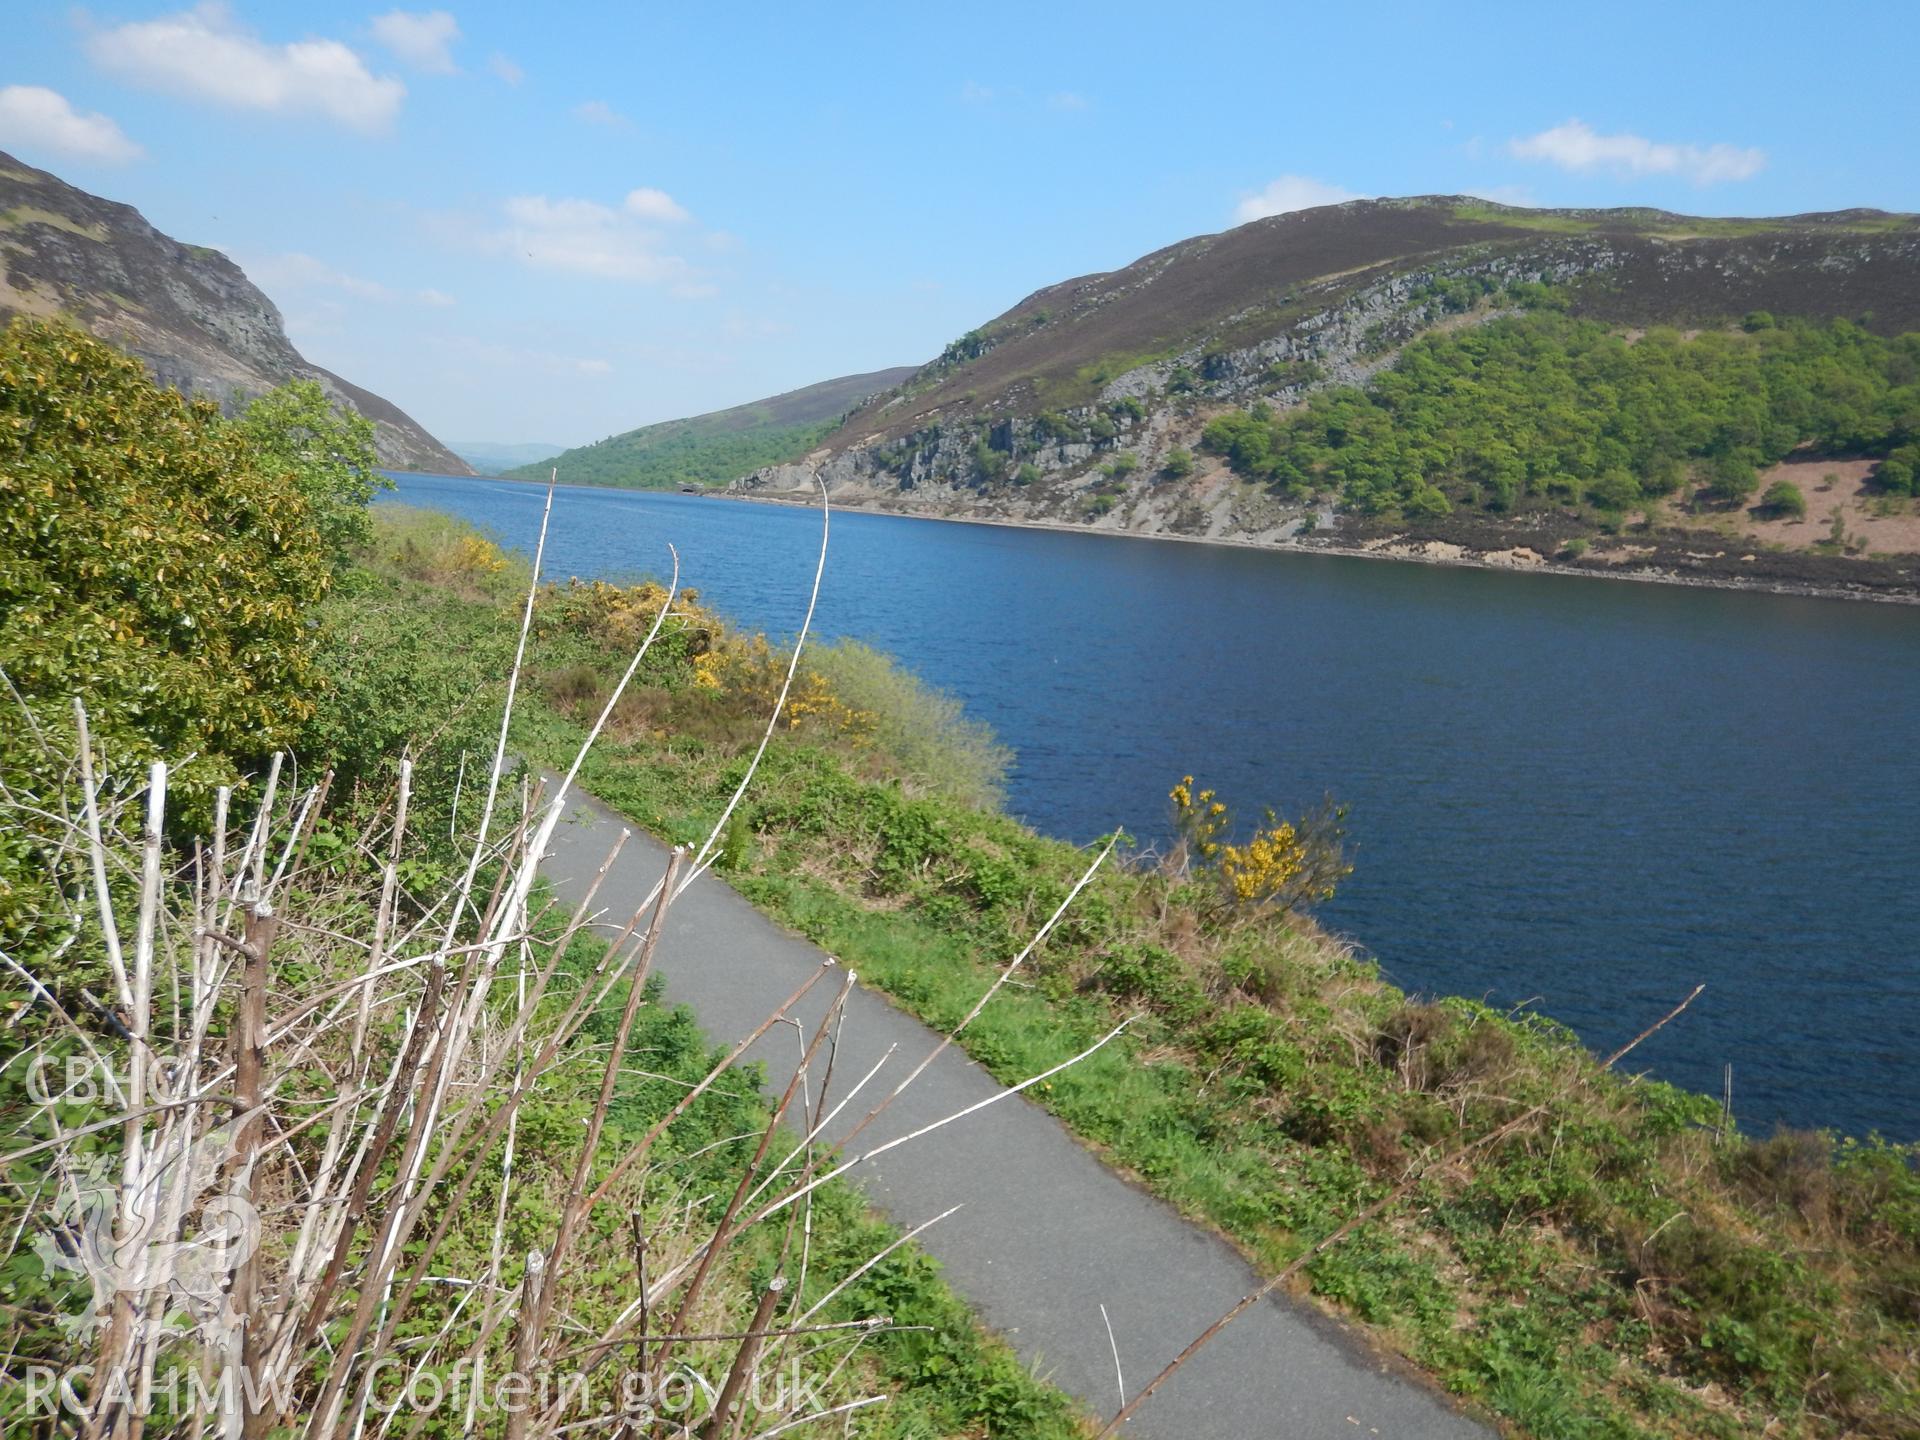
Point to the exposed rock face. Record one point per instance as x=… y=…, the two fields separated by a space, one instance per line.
x=189 y=312
x=1068 y=408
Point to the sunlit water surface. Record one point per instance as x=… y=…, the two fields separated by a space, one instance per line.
x=1585 y=794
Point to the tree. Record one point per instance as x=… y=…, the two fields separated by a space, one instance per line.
x=1178 y=464
x=1783 y=501
x=152 y=565
x=1899 y=473
x=1731 y=479
x=1616 y=490
x=327 y=452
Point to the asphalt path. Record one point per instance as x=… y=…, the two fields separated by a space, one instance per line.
x=1047 y=1233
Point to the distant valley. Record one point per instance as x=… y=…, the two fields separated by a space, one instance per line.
x=496 y=458
x=715 y=448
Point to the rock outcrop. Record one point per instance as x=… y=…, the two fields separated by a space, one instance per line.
x=188 y=311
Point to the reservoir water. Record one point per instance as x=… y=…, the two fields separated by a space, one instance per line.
x=1585 y=795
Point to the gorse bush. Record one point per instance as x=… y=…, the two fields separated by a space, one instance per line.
x=1281 y=865
x=153 y=561
x=443 y=552
x=704 y=680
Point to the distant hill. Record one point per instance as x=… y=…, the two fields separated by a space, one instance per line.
x=490 y=458
x=187 y=311
x=724 y=445
x=1092 y=402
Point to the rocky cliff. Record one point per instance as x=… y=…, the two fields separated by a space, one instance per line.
x=1023 y=420
x=189 y=312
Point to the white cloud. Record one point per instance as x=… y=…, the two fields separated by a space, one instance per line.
x=35 y=118
x=492 y=354
x=1290 y=192
x=976 y=94
x=204 y=54
x=651 y=204
x=420 y=37
x=598 y=112
x=1066 y=100
x=505 y=69
x=297 y=271
x=1576 y=146
x=589 y=238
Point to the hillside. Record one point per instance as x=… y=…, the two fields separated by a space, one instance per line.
x=721 y=446
x=1089 y=402
x=189 y=312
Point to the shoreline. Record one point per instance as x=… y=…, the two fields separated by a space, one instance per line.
x=1808 y=591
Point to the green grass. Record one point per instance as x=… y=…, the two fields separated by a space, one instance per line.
x=1548 y=221
x=1611 y=1269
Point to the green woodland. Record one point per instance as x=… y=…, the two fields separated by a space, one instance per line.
x=1545 y=410
x=679 y=452
x=1582 y=1253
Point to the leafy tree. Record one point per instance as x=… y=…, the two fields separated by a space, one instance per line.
x=328 y=452
x=151 y=564
x=1178 y=464
x=1027 y=474
x=1615 y=490
x=1731 y=479
x=1542 y=410
x=1899 y=473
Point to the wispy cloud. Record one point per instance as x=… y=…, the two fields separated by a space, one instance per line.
x=492 y=354
x=504 y=68
x=204 y=54
x=1579 y=148
x=298 y=271
x=1067 y=100
x=589 y=238
x=36 y=119
x=651 y=204
x=422 y=38
x=974 y=93
x=1288 y=193
x=598 y=112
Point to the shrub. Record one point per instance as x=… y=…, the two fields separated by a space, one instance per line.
x=1281 y=865
x=442 y=551
x=150 y=558
x=1783 y=500
x=926 y=734
x=1899 y=473
x=1178 y=464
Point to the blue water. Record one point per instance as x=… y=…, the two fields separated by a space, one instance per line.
x=1585 y=794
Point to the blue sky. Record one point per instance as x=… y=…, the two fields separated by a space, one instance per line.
x=555 y=221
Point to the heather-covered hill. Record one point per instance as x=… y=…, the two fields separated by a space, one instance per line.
x=1144 y=400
